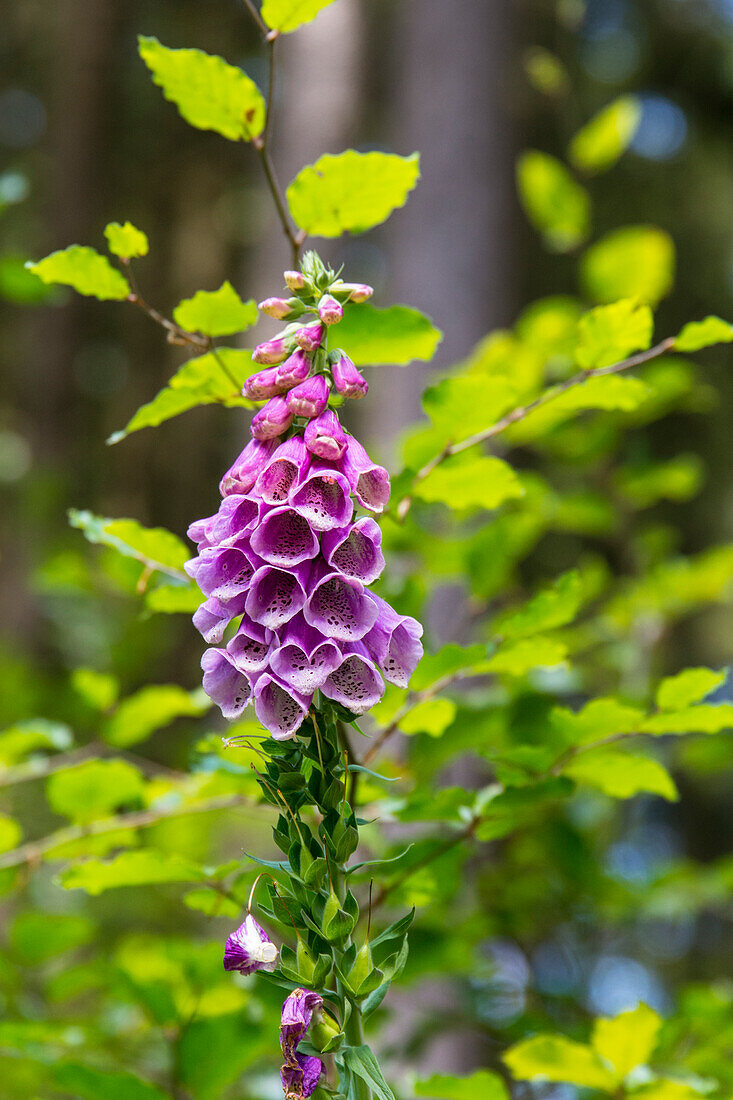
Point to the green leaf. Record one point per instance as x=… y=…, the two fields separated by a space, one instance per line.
x=94 y=789
x=555 y=1058
x=432 y=716
x=209 y=93
x=95 y=1084
x=214 y=378
x=216 y=312
x=361 y=1062
x=687 y=687
x=642 y=485
x=610 y=333
x=553 y=606
x=600 y=143
x=518 y=658
x=704 y=718
x=141 y=867
x=150 y=709
x=470 y=481
x=634 y=262
x=97 y=689
x=386 y=337
x=36 y=936
x=554 y=202
x=665 y=1089
x=288 y=15
x=157 y=548
x=125 y=240
x=607 y=392
x=601 y=718
x=173 y=598
x=214 y=1052
x=351 y=192
x=19 y=741
x=703 y=334
x=627 y=1040
x=620 y=774
x=10 y=833
x=85 y=270
x=481 y=1085
x=211 y=903
x=545 y=72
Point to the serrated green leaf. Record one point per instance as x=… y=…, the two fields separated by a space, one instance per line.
x=94 y=789
x=620 y=774
x=555 y=1058
x=550 y=325
x=94 y=1084
x=597 y=720
x=627 y=1040
x=36 y=734
x=553 y=606
x=554 y=202
x=36 y=936
x=468 y=480
x=150 y=709
x=157 y=548
x=386 y=337
x=97 y=689
x=432 y=716
x=603 y=139
x=141 y=867
x=208 y=92
x=481 y=1085
x=216 y=312
x=518 y=658
x=10 y=833
x=351 y=192
x=704 y=334
x=637 y=261
x=605 y=392
x=85 y=270
x=288 y=15
x=214 y=378
x=608 y=334
x=704 y=718
x=173 y=598
x=126 y=240
x=687 y=687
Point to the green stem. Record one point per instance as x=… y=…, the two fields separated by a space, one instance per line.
x=355 y=1037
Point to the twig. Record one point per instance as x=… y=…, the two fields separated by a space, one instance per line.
x=249 y=4
x=446 y=846
x=524 y=410
x=413 y=700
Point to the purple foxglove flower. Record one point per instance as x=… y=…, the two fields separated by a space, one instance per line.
x=324 y=498
x=284 y=537
x=297 y=1013
x=394 y=643
x=309 y=336
x=200 y=531
x=325 y=437
x=294 y=370
x=275 y=595
x=244 y=471
x=279 y=308
x=304 y=658
x=272 y=352
x=214 y=616
x=237 y=517
x=358 y=292
x=294 y=280
x=249 y=649
x=260 y=386
x=330 y=310
x=340 y=608
x=369 y=482
x=309 y=398
x=356 y=683
x=272 y=420
x=221 y=572
x=346 y=378
x=300 y=1076
x=280 y=710
x=355 y=551
x=284 y=472
x=250 y=948
x=224 y=684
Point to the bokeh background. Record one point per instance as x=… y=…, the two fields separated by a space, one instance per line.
x=84 y=140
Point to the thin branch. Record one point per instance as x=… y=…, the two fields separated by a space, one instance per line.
x=296 y=239
x=176 y=334
x=413 y=700
x=446 y=846
x=523 y=411
x=250 y=5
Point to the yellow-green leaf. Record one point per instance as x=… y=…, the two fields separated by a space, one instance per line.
x=620 y=774
x=216 y=312
x=288 y=15
x=208 y=92
x=555 y=1058
x=97 y=689
x=142 y=867
x=126 y=240
x=84 y=269
x=554 y=202
x=10 y=833
x=150 y=709
x=89 y=1083
x=687 y=687
x=627 y=1040
x=156 y=547
x=545 y=71
x=467 y=481
x=553 y=606
x=173 y=598
x=481 y=1085
x=432 y=716
x=380 y=337
x=637 y=261
x=94 y=789
x=703 y=334
x=37 y=936
x=518 y=658
x=606 y=136
x=608 y=334
x=351 y=192
x=705 y=718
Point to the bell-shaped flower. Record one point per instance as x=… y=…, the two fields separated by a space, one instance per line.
x=272 y=420
x=286 y=469
x=394 y=643
x=284 y=537
x=304 y=658
x=249 y=649
x=369 y=482
x=250 y=948
x=275 y=595
x=214 y=615
x=281 y=711
x=355 y=551
x=347 y=380
x=330 y=310
x=224 y=684
x=309 y=398
x=272 y=352
x=325 y=437
x=244 y=471
x=294 y=370
x=356 y=683
x=260 y=386
x=340 y=608
x=309 y=336
x=324 y=498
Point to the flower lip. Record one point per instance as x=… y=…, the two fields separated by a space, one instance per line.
x=276 y=594
x=230 y=689
x=339 y=607
x=284 y=537
x=249 y=948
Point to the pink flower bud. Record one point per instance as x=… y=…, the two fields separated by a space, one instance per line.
x=294 y=280
x=309 y=336
x=346 y=378
x=355 y=292
x=261 y=385
x=329 y=310
x=272 y=351
x=325 y=437
x=273 y=419
x=295 y=369
x=279 y=308
x=309 y=398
